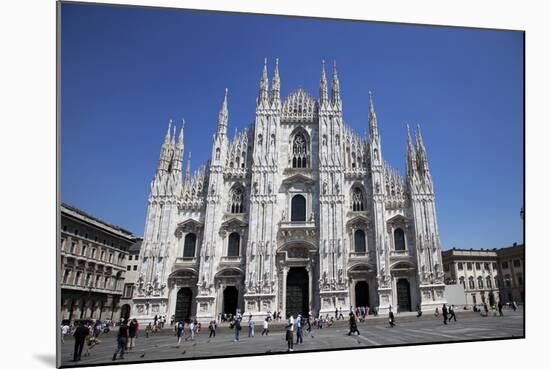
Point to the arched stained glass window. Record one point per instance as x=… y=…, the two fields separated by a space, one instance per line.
x=357 y=203
x=236 y=201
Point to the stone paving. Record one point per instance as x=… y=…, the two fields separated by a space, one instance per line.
x=374 y=332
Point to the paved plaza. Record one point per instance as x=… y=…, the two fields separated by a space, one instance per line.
x=374 y=332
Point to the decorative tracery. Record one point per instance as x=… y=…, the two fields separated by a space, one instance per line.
x=236 y=201
x=357 y=201
x=300 y=152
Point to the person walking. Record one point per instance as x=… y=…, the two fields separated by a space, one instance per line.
x=132 y=333
x=436 y=312
x=237 y=328
x=353 y=324
x=191 y=329
x=79 y=335
x=452 y=312
x=299 y=332
x=289 y=336
x=340 y=315
x=500 y=308
x=444 y=312
x=391 y=318
x=122 y=340
x=212 y=327
x=148 y=330
x=266 y=327
x=64 y=331
x=250 y=326
x=180 y=331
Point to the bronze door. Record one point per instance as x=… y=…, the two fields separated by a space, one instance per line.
x=297 y=292
x=183 y=304
x=403 y=295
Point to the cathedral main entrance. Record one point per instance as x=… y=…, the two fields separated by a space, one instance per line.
x=297 y=291
x=403 y=295
x=361 y=294
x=183 y=304
x=230 y=300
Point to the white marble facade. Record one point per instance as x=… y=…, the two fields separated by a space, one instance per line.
x=296 y=212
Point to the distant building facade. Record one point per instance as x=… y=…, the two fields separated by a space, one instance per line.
x=93 y=266
x=486 y=275
x=296 y=213
x=132 y=266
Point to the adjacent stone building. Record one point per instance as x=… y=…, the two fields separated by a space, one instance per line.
x=93 y=266
x=295 y=213
x=132 y=265
x=487 y=275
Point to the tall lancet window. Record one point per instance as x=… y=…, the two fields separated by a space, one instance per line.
x=359 y=240
x=357 y=203
x=399 y=239
x=189 y=245
x=236 y=201
x=300 y=155
x=234 y=243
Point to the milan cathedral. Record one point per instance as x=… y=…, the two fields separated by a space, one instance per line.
x=296 y=213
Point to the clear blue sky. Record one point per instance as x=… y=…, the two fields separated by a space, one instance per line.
x=127 y=71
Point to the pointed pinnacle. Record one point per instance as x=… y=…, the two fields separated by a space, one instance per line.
x=167 y=138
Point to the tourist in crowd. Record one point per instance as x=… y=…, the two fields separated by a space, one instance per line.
x=436 y=314
x=266 y=326
x=237 y=327
x=212 y=328
x=452 y=313
x=250 y=326
x=148 y=330
x=299 y=332
x=444 y=311
x=180 y=329
x=79 y=335
x=353 y=324
x=391 y=318
x=132 y=334
x=122 y=340
x=191 y=330
x=65 y=329
x=289 y=336
x=500 y=308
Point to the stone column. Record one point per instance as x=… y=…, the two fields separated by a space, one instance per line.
x=285 y=272
x=310 y=289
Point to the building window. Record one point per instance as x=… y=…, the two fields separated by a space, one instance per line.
x=189 y=245
x=474 y=299
x=480 y=282
x=460 y=266
x=73 y=247
x=102 y=258
x=507 y=281
x=517 y=263
x=110 y=257
x=66 y=275
x=128 y=290
x=504 y=265
x=462 y=282
x=106 y=283
x=486 y=266
x=489 y=282
x=77 y=279
x=478 y=266
x=494 y=266
x=357 y=200
x=471 y=283
x=469 y=266
x=298 y=209
x=128 y=267
x=520 y=279
x=64 y=228
x=233 y=245
x=236 y=201
x=300 y=154
x=76 y=232
x=136 y=257
x=97 y=279
x=84 y=250
x=130 y=257
x=359 y=240
x=399 y=239
x=93 y=253
x=135 y=267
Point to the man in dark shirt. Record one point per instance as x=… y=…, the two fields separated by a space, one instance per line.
x=122 y=340
x=79 y=335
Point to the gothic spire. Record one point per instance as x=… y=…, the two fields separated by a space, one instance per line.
x=276 y=83
x=188 y=169
x=421 y=150
x=411 y=154
x=223 y=116
x=373 y=124
x=335 y=86
x=323 y=89
x=180 y=137
x=167 y=138
x=264 y=85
